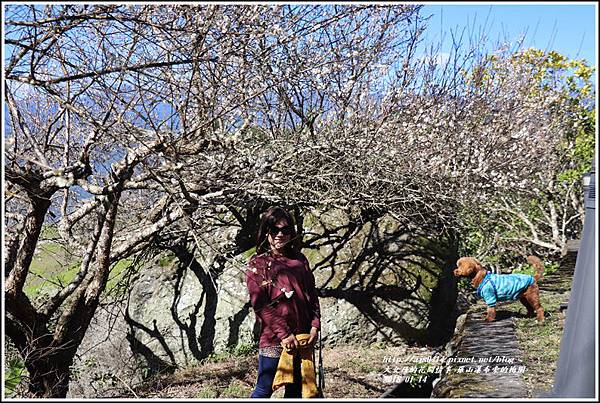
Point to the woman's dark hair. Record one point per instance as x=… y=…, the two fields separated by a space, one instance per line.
x=267 y=223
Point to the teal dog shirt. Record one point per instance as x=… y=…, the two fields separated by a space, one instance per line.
x=503 y=287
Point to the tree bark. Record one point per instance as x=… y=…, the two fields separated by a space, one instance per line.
x=48 y=355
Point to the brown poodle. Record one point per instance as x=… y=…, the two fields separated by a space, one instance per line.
x=504 y=287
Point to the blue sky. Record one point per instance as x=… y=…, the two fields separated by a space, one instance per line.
x=568 y=29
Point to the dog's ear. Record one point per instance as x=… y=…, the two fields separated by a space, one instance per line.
x=478 y=266
x=472 y=264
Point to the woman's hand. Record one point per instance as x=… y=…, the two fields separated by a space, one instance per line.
x=290 y=342
x=313 y=335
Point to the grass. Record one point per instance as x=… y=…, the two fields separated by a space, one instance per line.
x=166 y=260
x=541 y=344
x=231 y=376
x=530 y=270
x=50 y=257
x=14 y=371
x=53 y=267
x=49 y=232
x=350 y=371
x=238 y=389
x=207 y=393
x=241 y=350
x=361 y=365
x=41 y=282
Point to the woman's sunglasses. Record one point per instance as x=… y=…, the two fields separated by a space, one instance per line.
x=287 y=230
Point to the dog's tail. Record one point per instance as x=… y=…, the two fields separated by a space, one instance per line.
x=536 y=262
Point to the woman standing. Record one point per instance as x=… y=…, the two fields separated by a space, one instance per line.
x=283 y=296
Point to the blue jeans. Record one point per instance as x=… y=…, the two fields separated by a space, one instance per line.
x=267 y=367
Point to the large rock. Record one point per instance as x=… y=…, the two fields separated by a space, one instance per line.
x=383 y=284
x=105 y=365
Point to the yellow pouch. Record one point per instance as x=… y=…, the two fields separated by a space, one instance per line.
x=285 y=368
